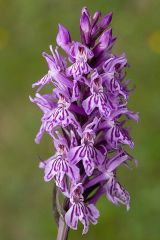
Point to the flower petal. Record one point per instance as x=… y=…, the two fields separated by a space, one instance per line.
x=71 y=218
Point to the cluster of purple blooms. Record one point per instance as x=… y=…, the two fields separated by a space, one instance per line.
x=85 y=116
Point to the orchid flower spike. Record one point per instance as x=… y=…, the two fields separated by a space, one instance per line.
x=85 y=116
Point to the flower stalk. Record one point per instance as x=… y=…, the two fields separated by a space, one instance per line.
x=63 y=230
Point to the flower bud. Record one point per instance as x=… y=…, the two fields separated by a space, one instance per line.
x=63 y=36
x=95 y=18
x=104 y=42
x=105 y=21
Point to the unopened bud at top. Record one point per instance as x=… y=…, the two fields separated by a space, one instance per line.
x=63 y=36
x=105 y=21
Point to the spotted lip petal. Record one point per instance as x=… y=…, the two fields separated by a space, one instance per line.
x=60 y=166
x=88 y=154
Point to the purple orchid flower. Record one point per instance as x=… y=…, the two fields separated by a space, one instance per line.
x=85 y=115
x=57 y=66
x=81 y=54
x=115 y=132
x=109 y=166
x=114 y=66
x=58 y=166
x=79 y=210
x=113 y=74
x=59 y=115
x=98 y=97
x=110 y=186
x=116 y=193
x=90 y=156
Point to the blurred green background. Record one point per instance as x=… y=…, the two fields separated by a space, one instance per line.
x=26 y=29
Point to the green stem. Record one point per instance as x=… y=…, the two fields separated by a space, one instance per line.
x=54 y=204
x=62 y=230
